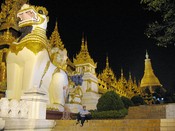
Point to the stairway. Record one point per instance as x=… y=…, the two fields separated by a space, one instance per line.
x=117 y=125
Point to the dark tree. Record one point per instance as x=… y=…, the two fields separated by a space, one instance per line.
x=162 y=30
x=137 y=100
x=127 y=102
x=110 y=101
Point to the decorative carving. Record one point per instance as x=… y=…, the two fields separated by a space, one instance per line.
x=13 y=108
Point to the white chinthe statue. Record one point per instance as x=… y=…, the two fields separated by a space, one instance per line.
x=29 y=62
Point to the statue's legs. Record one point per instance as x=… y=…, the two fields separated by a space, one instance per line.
x=24 y=71
x=14 y=81
x=34 y=69
x=56 y=95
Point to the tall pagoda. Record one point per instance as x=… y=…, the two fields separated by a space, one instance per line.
x=149 y=80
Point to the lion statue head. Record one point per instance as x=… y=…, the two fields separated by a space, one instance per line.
x=33 y=16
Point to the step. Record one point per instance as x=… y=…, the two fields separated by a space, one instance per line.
x=117 y=125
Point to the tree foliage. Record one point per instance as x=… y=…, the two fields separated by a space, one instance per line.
x=127 y=102
x=110 y=101
x=162 y=30
x=137 y=100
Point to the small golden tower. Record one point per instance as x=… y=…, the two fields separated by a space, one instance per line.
x=149 y=80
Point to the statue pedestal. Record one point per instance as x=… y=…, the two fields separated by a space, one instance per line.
x=2 y=124
x=74 y=108
x=36 y=100
x=90 y=100
x=28 y=125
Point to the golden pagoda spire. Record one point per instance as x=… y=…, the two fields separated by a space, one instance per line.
x=149 y=79
x=107 y=62
x=130 y=82
x=121 y=72
x=55 y=40
x=122 y=81
x=84 y=56
x=85 y=46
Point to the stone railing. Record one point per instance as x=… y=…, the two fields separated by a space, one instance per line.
x=13 y=108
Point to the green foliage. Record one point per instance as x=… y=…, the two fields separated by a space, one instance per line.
x=137 y=100
x=127 y=102
x=162 y=30
x=110 y=101
x=154 y=5
x=113 y=114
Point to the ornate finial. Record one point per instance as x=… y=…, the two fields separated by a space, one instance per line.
x=130 y=75
x=86 y=44
x=147 y=56
x=82 y=41
x=107 y=62
x=135 y=80
x=121 y=72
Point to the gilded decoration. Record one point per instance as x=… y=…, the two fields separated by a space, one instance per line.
x=6 y=38
x=83 y=56
x=36 y=37
x=108 y=81
x=8 y=13
x=55 y=40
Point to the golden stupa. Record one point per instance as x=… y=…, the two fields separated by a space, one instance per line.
x=149 y=79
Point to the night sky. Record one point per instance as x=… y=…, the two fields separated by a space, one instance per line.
x=114 y=28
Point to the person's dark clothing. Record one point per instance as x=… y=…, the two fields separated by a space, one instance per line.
x=81 y=116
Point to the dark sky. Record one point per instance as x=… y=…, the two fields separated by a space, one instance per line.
x=114 y=28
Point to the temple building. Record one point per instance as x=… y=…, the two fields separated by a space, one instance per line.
x=86 y=66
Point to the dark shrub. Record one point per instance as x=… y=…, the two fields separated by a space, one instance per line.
x=127 y=102
x=110 y=101
x=137 y=100
x=115 y=114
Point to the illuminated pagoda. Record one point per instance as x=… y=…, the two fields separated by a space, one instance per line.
x=149 y=83
x=149 y=79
